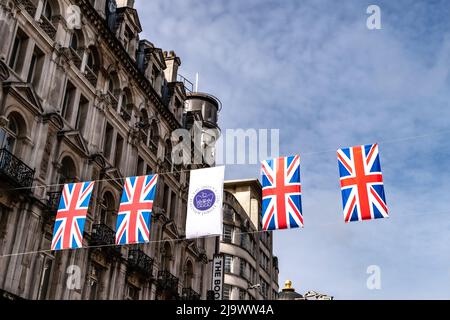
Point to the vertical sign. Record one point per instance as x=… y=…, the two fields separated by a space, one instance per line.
x=218 y=276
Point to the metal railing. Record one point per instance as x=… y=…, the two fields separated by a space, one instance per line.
x=140 y=262
x=90 y=76
x=15 y=169
x=29 y=7
x=48 y=27
x=189 y=294
x=102 y=235
x=167 y=281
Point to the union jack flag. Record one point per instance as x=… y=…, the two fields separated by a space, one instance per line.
x=133 y=222
x=282 y=200
x=362 y=183
x=71 y=216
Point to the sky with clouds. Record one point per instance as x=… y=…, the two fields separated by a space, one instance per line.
x=313 y=70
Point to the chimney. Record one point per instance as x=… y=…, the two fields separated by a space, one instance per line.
x=172 y=63
x=125 y=3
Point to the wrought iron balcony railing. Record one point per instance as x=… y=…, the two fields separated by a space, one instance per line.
x=48 y=27
x=102 y=235
x=126 y=116
x=90 y=76
x=29 y=7
x=189 y=294
x=140 y=262
x=15 y=169
x=114 y=100
x=76 y=56
x=167 y=281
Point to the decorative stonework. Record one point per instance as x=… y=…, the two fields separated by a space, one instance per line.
x=4 y=72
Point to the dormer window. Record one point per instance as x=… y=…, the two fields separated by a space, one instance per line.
x=155 y=75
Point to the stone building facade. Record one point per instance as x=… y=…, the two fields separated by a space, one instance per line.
x=251 y=269
x=81 y=101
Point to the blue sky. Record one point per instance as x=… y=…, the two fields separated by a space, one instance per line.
x=313 y=70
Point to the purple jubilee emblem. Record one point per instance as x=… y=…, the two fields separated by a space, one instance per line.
x=204 y=200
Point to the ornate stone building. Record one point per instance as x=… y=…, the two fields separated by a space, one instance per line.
x=82 y=98
x=251 y=269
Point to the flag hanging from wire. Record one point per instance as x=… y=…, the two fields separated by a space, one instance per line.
x=205 y=203
x=136 y=206
x=281 y=199
x=362 y=183
x=71 y=216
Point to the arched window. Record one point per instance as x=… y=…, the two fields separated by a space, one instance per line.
x=108 y=209
x=15 y=131
x=168 y=150
x=67 y=172
x=166 y=257
x=126 y=109
x=154 y=136
x=188 y=275
x=47 y=11
x=74 y=42
x=92 y=65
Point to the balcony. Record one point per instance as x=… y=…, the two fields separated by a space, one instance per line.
x=90 y=76
x=48 y=27
x=76 y=56
x=29 y=7
x=167 y=281
x=15 y=170
x=126 y=116
x=102 y=235
x=190 y=295
x=140 y=262
x=113 y=100
x=153 y=147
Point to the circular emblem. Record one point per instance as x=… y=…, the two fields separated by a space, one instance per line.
x=204 y=200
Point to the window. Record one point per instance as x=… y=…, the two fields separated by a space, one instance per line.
x=36 y=65
x=108 y=208
x=140 y=167
x=108 y=140
x=227 y=233
x=74 y=42
x=243 y=268
x=69 y=98
x=228 y=263
x=132 y=293
x=16 y=59
x=155 y=75
x=173 y=206
x=45 y=278
x=82 y=116
x=242 y=294
x=226 y=292
x=154 y=135
x=166 y=198
x=47 y=11
x=118 y=155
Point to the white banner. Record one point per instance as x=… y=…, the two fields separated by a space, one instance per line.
x=204 y=209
